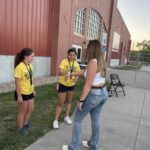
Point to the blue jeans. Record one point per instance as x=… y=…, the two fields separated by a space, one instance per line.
x=93 y=104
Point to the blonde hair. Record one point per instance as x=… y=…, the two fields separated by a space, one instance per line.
x=94 y=51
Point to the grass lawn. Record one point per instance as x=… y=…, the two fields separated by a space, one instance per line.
x=41 y=118
x=126 y=67
x=130 y=66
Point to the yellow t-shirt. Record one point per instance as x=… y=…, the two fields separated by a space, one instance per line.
x=22 y=73
x=66 y=66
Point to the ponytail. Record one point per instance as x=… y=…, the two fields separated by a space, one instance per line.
x=21 y=55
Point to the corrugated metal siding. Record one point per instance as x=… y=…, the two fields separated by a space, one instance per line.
x=25 y=23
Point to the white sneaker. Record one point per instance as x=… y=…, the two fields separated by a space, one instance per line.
x=64 y=147
x=85 y=144
x=55 y=124
x=67 y=120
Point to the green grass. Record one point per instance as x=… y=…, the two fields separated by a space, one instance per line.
x=129 y=66
x=41 y=118
x=126 y=67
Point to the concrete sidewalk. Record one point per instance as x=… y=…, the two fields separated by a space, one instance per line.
x=125 y=125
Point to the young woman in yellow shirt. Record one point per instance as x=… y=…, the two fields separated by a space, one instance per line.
x=66 y=86
x=23 y=73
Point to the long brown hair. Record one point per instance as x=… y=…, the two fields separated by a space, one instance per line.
x=21 y=55
x=94 y=51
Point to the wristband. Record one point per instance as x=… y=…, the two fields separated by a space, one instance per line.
x=81 y=101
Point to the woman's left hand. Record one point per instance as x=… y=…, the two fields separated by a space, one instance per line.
x=79 y=105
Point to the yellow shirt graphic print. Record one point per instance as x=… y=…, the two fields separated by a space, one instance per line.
x=23 y=73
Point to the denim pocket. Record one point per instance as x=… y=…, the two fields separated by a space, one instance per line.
x=95 y=99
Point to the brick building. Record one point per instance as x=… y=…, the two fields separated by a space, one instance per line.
x=50 y=27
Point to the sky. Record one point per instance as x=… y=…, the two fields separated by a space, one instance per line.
x=136 y=15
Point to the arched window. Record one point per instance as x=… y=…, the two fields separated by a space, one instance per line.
x=79 y=22
x=94 y=24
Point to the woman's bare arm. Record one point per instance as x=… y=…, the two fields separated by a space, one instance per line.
x=18 y=89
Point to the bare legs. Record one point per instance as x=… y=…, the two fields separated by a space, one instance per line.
x=25 y=110
x=63 y=99
x=68 y=102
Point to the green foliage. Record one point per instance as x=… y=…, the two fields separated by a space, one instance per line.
x=133 y=65
x=144 y=45
x=41 y=118
x=140 y=56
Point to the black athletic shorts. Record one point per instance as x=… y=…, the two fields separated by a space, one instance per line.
x=63 y=89
x=25 y=97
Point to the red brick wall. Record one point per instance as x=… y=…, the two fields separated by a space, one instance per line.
x=120 y=28
x=66 y=36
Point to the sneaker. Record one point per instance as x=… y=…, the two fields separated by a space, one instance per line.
x=55 y=124
x=23 y=131
x=28 y=125
x=85 y=144
x=64 y=147
x=67 y=120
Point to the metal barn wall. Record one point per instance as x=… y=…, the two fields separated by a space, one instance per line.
x=25 y=23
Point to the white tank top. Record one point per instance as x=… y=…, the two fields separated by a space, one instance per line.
x=97 y=79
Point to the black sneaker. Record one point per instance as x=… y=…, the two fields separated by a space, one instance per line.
x=23 y=131
x=27 y=126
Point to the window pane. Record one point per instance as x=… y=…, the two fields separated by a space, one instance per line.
x=94 y=24
x=79 y=22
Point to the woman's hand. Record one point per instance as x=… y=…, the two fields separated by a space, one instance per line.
x=19 y=100
x=67 y=75
x=78 y=73
x=79 y=105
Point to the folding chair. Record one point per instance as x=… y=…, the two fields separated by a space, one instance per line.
x=115 y=84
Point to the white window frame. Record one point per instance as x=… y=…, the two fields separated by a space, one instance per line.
x=77 y=47
x=94 y=24
x=79 y=22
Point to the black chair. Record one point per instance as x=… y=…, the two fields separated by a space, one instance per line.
x=115 y=85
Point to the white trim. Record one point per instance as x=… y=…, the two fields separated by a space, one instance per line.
x=79 y=35
x=77 y=47
x=79 y=22
x=94 y=24
x=115 y=50
x=114 y=62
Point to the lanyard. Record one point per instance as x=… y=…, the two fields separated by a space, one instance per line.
x=29 y=71
x=71 y=67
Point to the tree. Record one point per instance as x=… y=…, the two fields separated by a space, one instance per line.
x=143 y=55
x=144 y=45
